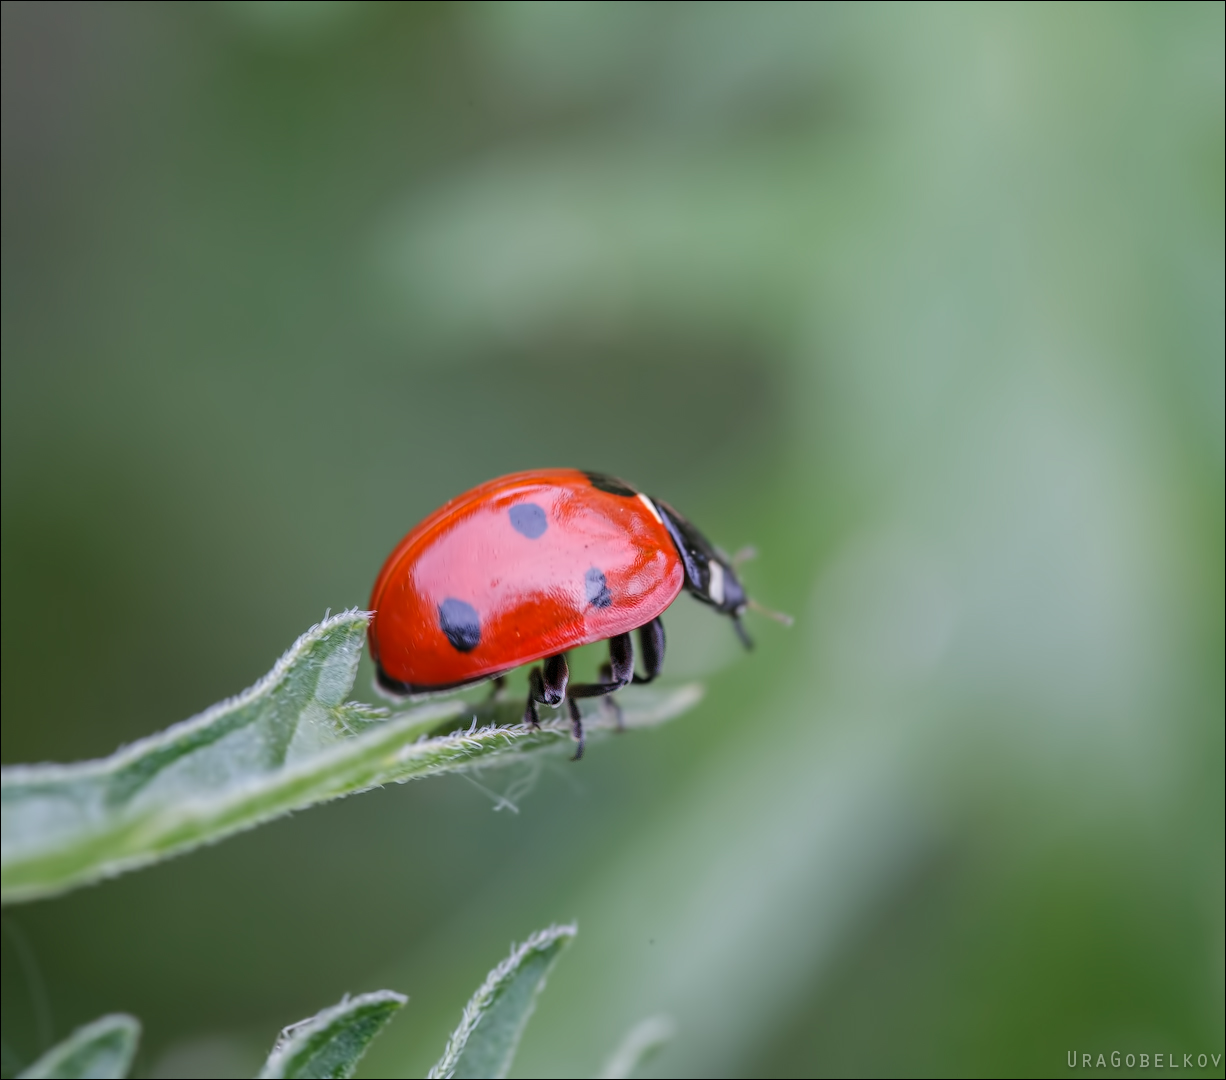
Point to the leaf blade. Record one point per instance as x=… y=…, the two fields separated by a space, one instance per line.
x=484 y=1043
x=289 y=742
x=101 y=1050
x=330 y=1043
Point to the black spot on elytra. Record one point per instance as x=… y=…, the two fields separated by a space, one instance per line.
x=610 y=484
x=597 y=588
x=529 y=520
x=460 y=623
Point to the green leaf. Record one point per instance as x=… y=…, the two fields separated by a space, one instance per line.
x=330 y=1043
x=493 y=1021
x=290 y=741
x=101 y=1050
x=642 y=1042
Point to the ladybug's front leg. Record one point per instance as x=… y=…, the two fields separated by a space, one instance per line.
x=651 y=645
x=547 y=685
x=651 y=642
x=614 y=675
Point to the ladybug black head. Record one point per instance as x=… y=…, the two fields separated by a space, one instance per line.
x=709 y=574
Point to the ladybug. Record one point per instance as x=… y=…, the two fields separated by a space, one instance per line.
x=529 y=566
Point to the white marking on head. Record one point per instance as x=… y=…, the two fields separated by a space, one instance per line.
x=715 y=588
x=652 y=507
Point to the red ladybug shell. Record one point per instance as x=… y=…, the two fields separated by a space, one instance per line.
x=517 y=569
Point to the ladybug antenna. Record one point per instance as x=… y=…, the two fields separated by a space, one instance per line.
x=744 y=555
x=741 y=632
x=778 y=616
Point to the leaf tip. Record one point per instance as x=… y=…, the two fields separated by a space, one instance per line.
x=641 y=1043
x=102 y=1048
x=331 y=1042
x=494 y=1019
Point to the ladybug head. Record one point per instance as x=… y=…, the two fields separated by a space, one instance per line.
x=709 y=573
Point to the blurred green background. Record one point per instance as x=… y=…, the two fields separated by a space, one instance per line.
x=924 y=302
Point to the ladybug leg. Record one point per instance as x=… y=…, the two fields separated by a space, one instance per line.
x=497 y=686
x=546 y=685
x=621 y=670
x=614 y=675
x=536 y=691
x=651 y=641
x=608 y=703
x=576 y=726
x=557 y=674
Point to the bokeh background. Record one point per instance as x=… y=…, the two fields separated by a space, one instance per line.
x=924 y=302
